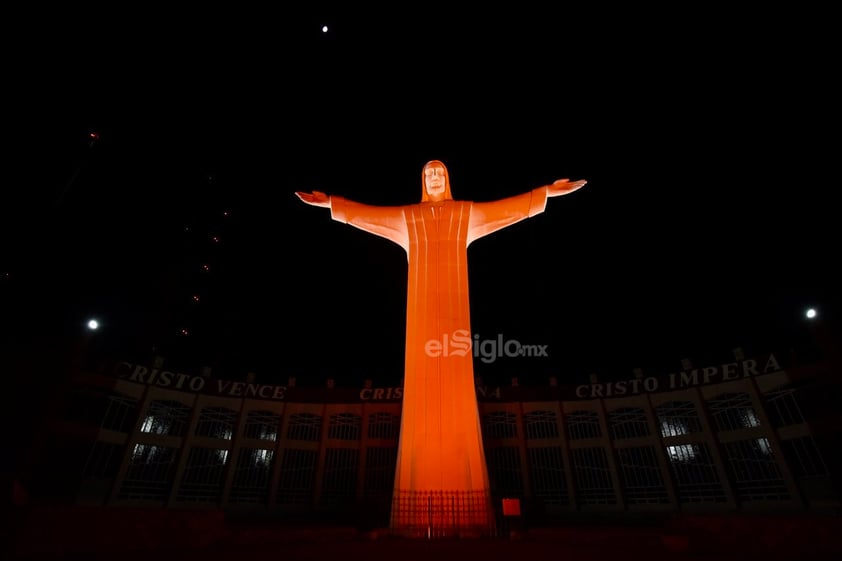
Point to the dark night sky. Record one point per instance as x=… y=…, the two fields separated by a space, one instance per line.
x=707 y=139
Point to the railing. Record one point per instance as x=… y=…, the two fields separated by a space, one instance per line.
x=442 y=514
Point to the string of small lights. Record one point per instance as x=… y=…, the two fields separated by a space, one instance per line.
x=194 y=324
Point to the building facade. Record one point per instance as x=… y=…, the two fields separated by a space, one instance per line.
x=744 y=435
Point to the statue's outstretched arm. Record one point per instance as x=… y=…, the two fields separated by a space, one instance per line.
x=488 y=217
x=385 y=221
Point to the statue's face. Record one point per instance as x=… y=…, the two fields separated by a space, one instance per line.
x=434 y=182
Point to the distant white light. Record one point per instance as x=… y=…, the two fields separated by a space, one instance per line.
x=324 y=29
x=811 y=313
x=93 y=325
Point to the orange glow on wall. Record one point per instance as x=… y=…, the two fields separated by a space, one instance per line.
x=441 y=480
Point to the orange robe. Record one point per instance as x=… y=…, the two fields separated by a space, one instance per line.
x=441 y=478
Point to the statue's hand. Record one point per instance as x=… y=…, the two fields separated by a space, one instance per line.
x=316 y=198
x=564 y=186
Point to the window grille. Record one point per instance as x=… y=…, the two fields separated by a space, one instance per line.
x=628 y=422
x=216 y=422
x=500 y=424
x=339 y=481
x=504 y=471
x=582 y=425
x=643 y=482
x=298 y=477
x=380 y=463
x=541 y=424
x=678 y=418
x=546 y=471
x=783 y=409
x=203 y=475
x=732 y=411
x=804 y=458
x=166 y=417
x=304 y=426
x=150 y=473
x=694 y=474
x=757 y=476
x=592 y=476
x=120 y=413
x=383 y=425
x=251 y=476
x=344 y=426
x=262 y=425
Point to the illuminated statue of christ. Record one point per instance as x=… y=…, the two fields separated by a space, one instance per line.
x=441 y=480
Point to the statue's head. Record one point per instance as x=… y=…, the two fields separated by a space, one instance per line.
x=436 y=182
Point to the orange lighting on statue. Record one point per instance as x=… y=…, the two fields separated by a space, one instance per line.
x=441 y=479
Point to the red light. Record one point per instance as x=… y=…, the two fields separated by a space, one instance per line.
x=195 y=297
x=206 y=267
